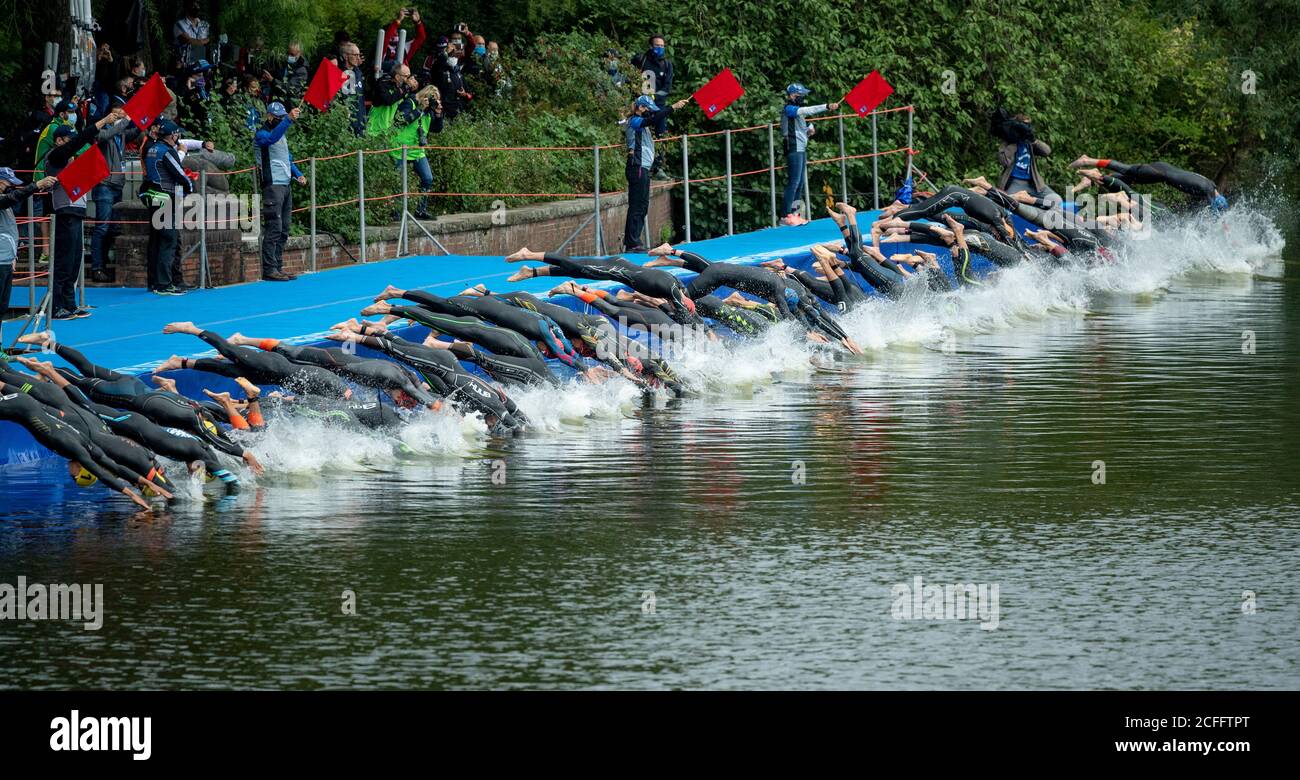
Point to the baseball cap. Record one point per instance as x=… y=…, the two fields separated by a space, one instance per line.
x=168 y=127
x=276 y=109
x=646 y=101
x=63 y=131
x=797 y=89
x=8 y=175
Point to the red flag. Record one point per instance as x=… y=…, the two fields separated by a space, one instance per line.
x=869 y=93
x=147 y=104
x=83 y=173
x=324 y=85
x=721 y=91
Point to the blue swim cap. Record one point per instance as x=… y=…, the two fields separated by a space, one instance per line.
x=904 y=193
x=1219 y=203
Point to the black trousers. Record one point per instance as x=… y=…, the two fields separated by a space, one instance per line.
x=6 y=284
x=638 y=204
x=68 y=252
x=161 y=252
x=277 y=211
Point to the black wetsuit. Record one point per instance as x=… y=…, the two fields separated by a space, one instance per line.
x=169 y=443
x=444 y=374
x=632 y=314
x=647 y=281
x=1051 y=216
x=127 y=458
x=531 y=324
x=742 y=321
x=371 y=415
x=1193 y=184
x=592 y=335
x=755 y=280
x=808 y=311
x=973 y=203
x=56 y=435
x=501 y=350
x=383 y=375
x=169 y=410
x=885 y=278
x=269 y=368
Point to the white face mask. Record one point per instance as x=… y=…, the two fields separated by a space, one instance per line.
x=292 y=59
x=452 y=61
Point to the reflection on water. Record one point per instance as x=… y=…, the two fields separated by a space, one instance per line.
x=970 y=459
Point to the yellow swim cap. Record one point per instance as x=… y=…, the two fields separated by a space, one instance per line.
x=212 y=429
x=85 y=478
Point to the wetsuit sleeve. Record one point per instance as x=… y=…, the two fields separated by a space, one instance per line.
x=693 y=262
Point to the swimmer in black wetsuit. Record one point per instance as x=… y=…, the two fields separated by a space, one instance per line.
x=383 y=375
x=441 y=370
x=755 y=280
x=505 y=354
x=820 y=324
x=86 y=462
x=168 y=409
x=263 y=368
x=129 y=460
x=169 y=443
x=1193 y=184
x=645 y=280
x=474 y=303
x=974 y=204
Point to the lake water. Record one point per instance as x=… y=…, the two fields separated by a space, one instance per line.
x=1114 y=449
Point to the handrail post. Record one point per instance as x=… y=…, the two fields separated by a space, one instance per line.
x=311 y=214
x=731 y=228
x=910 y=111
x=361 y=199
x=49 y=274
x=81 y=269
x=844 y=163
x=203 y=230
x=599 y=246
x=686 y=184
x=31 y=266
x=875 y=163
x=401 y=231
x=771 y=169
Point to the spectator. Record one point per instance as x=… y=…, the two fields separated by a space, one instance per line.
x=656 y=81
x=108 y=193
x=1018 y=155
x=106 y=71
x=391 y=37
x=390 y=91
x=418 y=116
x=252 y=102
x=65 y=115
x=12 y=194
x=354 y=87
x=165 y=185
x=616 y=77
x=70 y=213
x=646 y=114
x=276 y=169
x=214 y=161
x=26 y=143
x=191 y=35
x=293 y=77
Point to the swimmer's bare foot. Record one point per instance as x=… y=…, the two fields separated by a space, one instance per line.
x=527 y=272
x=376 y=308
x=240 y=340
x=476 y=290
x=182 y=327
x=251 y=391
x=663 y=249
x=524 y=253
x=42 y=339
x=565 y=288
x=390 y=292
x=350 y=325
x=221 y=398
x=165 y=383
x=1085 y=162
x=173 y=363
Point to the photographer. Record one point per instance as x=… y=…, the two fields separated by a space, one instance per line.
x=1019 y=155
x=418 y=116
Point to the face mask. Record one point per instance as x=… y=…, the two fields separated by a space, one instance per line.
x=658 y=50
x=71 y=116
x=480 y=50
x=292 y=59
x=139 y=74
x=452 y=61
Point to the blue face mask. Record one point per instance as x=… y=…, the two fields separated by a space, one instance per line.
x=658 y=50
x=480 y=50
